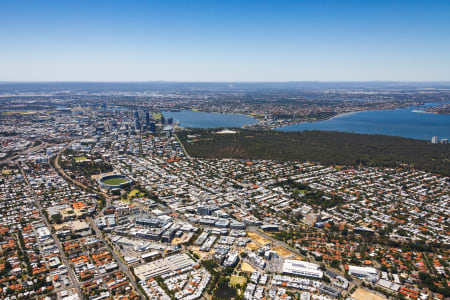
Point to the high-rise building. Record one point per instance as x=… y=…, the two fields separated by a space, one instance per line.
x=137 y=124
x=170 y=121
x=152 y=127
x=434 y=140
x=147 y=119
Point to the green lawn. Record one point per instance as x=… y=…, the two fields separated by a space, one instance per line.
x=133 y=193
x=237 y=280
x=301 y=191
x=80 y=158
x=157 y=116
x=19 y=112
x=115 y=181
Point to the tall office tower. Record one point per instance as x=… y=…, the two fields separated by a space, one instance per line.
x=152 y=127
x=434 y=140
x=163 y=120
x=170 y=121
x=147 y=119
x=136 y=115
x=137 y=124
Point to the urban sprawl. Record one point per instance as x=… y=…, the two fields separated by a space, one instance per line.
x=101 y=201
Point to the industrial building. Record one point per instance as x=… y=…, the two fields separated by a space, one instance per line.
x=367 y=273
x=301 y=268
x=165 y=266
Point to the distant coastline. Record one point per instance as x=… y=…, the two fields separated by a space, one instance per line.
x=423 y=112
x=409 y=122
x=341 y=115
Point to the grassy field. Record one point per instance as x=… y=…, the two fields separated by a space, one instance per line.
x=19 y=112
x=252 y=246
x=300 y=191
x=254 y=237
x=283 y=252
x=245 y=267
x=135 y=193
x=237 y=280
x=115 y=181
x=157 y=116
x=361 y=294
x=80 y=158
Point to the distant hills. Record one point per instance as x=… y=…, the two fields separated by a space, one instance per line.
x=17 y=87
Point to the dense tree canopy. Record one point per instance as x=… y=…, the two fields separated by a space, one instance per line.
x=325 y=147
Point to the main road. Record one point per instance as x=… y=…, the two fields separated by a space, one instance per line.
x=274 y=241
x=57 y=168
x=122 y=266
x=182 y=147
x=71 y=273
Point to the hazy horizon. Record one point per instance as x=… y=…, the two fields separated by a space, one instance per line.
x=224 y=81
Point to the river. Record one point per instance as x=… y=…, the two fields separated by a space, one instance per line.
x=410 y=122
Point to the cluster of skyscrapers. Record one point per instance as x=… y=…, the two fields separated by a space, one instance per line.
x=144 y=121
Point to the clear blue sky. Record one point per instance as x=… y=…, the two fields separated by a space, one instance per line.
x=75 y=40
